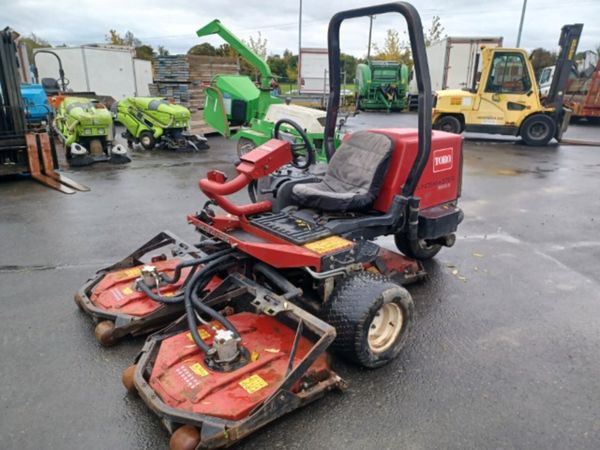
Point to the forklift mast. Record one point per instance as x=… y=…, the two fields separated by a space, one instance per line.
x=569 y=39
x=13 y=122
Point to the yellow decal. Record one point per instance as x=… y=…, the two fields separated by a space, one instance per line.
x=328 y=245
x=254 y=356
x=198 y=369
x=203 y=334
x=456 y=101
x=127 y=291
x=253 y=383
x=132 y=272
x=168 y=294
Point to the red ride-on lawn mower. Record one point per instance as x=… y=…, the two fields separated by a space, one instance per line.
x=273 y=284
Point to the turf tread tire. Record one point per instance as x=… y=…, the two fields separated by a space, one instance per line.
x=350 y=309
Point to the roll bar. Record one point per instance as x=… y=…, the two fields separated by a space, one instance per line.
x=417 y=44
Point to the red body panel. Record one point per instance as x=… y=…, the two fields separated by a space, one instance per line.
x=440 y=182
x=182 y=379
x=116 y=293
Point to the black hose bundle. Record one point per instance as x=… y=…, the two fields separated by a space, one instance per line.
x=194 y=304
x=177 y=275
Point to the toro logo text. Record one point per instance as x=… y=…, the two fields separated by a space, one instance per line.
x=442 y=159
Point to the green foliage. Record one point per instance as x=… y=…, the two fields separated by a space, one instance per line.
x=142 y=51
x=32 y=42
x=393 y=49
x=203 y=49
x=540 y=58
x=162 y=51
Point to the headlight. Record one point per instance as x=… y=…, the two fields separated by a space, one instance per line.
x=100 y=130
x=87 y=131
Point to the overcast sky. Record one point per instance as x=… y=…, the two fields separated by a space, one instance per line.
x=172 y=23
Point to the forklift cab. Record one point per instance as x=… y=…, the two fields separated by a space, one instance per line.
x=507 y=91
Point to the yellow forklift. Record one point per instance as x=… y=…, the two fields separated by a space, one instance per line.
x=505 y=99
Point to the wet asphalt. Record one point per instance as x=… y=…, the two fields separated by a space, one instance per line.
x=504 y=354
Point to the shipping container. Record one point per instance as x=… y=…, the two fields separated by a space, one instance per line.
x=106 y=70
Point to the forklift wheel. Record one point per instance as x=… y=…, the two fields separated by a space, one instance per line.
x=244 y=146
x=372 y=317
x=186 y=437
x=449 y=124
x=537 y=130
x=147 y=140
x=127 y=379
x=418 y=249
x=104 y=333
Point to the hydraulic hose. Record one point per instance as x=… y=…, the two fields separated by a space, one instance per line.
x=193 y=302
x=290 y=291
x=177 y=275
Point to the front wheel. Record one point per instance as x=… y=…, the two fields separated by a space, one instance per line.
x=147 y=140
x=537 y=130
x=416 y=249
x=449 y=124
x=372 y=317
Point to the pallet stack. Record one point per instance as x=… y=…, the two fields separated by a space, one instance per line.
x=180 y=77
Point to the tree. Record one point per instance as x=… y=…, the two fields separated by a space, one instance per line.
x=162 y=51
x=203 y=49
x=435 y=31
x=145 y=52
x=393 y=49
x=540 y=58
x=32 y=42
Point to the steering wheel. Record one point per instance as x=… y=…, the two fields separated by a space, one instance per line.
x=303 y=153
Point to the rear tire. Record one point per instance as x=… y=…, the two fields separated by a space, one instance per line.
x=418 y=249
x=538 y=130
x=372 y=317
x=449 y=124
x=245 y=146
x=147 y=140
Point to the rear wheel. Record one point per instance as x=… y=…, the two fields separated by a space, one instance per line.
x=245 y=146
x=537 y=130
x=372 y=317
x=147 y=140
x=417 y=249
x=449 y=124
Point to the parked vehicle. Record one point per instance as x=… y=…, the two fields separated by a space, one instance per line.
x=452 y=62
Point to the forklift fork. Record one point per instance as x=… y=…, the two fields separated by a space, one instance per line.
x=41 y=165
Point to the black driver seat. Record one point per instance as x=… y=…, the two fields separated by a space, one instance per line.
x=354 y=176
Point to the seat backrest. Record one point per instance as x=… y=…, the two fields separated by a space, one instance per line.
x=359 y=165
x=51 y=86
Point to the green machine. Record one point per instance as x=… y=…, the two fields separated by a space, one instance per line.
x=85 y=128
x=153 y=121
x=381 y=85
x=236 y=101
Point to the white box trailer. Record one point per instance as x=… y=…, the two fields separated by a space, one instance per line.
x=452 y=62
x=106 y=70
x=314 y=76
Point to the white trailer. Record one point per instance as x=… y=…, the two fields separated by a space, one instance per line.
x=106 y=70
x=452 y=63
x=314 y=78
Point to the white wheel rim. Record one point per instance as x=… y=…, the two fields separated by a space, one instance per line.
x=146 y=140
x=385 y=327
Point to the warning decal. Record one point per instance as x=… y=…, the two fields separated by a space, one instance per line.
x=328 y=245
x=198 y=369
x=253 y=383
